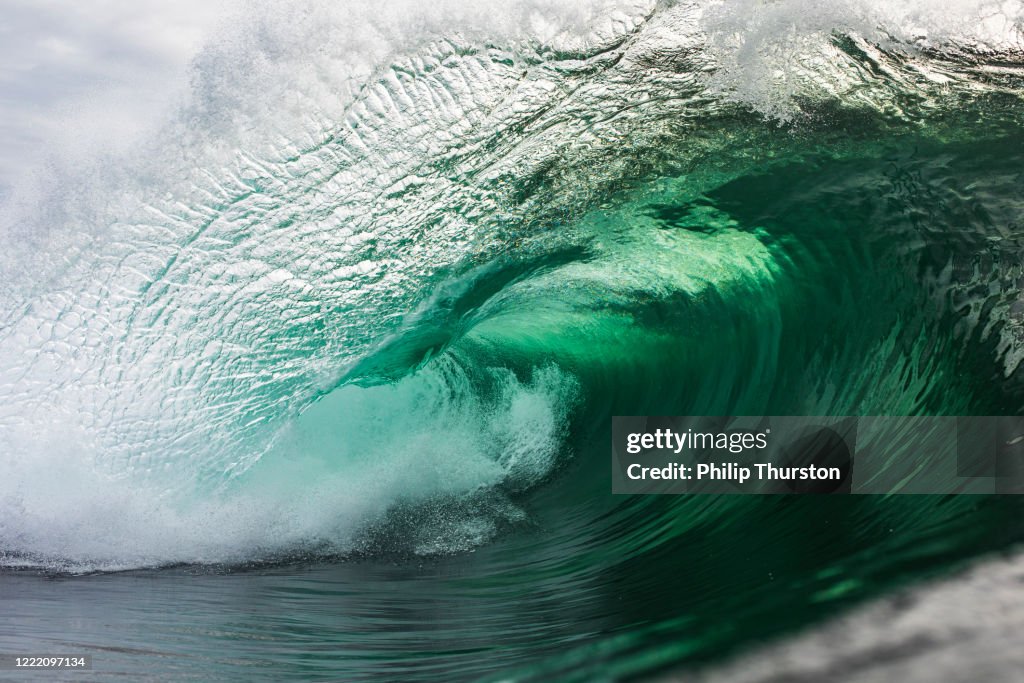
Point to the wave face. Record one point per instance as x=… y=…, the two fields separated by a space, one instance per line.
x=379 y=285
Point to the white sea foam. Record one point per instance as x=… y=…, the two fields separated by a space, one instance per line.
x=340 y=467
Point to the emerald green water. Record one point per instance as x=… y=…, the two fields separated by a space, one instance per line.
x=829 y=284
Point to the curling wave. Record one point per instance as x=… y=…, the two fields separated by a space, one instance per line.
x=370 y=295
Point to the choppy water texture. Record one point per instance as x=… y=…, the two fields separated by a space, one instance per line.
x=327 y=365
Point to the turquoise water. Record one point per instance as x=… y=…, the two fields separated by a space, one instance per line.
x=328 y=387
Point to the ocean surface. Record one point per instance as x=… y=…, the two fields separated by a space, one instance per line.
x=315 y=382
